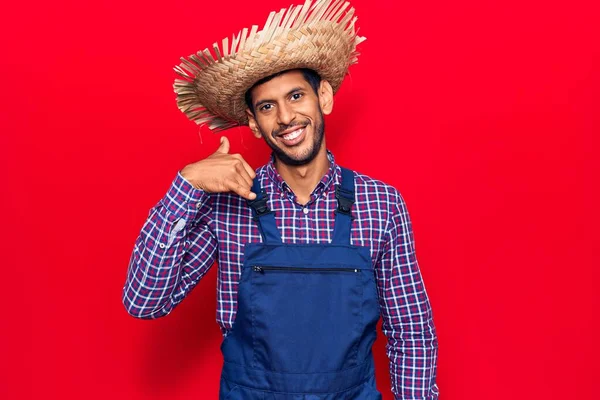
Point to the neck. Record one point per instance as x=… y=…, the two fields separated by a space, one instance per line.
x=302 y=179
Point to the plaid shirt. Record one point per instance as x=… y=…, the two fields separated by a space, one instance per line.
x=189 y=229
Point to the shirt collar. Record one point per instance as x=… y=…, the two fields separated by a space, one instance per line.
x=330 y=177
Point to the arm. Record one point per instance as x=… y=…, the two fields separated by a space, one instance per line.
x=176 y=247
x=406 y=313
x=173 y=251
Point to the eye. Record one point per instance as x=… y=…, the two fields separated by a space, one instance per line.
x=296 y=96
x=265 y=107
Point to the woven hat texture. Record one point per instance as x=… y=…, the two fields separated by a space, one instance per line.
x=318 y=35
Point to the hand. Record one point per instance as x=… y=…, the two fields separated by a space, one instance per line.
x=221 y=172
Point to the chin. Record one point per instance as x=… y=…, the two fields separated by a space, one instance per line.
x=303 y=158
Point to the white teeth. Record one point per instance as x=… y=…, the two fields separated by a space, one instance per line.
x=293 y=135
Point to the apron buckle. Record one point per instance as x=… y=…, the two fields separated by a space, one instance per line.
x=345 y=200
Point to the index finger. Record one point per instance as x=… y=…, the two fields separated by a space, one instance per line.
x=247 y=166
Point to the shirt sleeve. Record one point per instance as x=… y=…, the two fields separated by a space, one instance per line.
x=407 y=318
x=173 y=251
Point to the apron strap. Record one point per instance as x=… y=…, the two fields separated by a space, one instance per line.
x=264 y=217
x=344 y=194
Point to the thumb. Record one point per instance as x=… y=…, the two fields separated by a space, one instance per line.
x=224 y=146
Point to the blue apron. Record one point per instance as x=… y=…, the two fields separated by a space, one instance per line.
x=306 y=317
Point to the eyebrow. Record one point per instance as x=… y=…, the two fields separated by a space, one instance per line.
x=260 y=103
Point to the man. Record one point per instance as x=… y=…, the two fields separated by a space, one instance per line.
x=310 y=254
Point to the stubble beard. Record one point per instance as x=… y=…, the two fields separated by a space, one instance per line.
x=285 y=158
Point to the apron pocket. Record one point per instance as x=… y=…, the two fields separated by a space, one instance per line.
x=306 y=319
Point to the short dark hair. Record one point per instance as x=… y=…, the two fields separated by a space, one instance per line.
x=311 y=76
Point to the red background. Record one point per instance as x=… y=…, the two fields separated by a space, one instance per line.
x=484 y=114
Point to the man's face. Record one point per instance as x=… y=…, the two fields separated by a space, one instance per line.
x=288 y=115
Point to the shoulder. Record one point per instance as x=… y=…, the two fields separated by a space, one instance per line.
x=372 y=189
x=381 y=197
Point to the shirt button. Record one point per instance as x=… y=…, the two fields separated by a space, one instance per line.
x=162 y=245
x=305 y=210
x=282 y=194
x=198 y=205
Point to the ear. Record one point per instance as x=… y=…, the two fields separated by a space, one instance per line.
x=326 y=97
x=252 y=124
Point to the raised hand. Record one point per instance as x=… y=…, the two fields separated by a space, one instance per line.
x=221 y=172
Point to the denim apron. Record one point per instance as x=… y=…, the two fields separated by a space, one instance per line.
x=306 y=317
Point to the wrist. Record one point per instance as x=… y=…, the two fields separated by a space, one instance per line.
x=182 y=200
x=186 y=174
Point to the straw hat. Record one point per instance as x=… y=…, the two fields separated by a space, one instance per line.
x=318 y=36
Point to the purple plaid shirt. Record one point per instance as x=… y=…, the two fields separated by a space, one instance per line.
x=189 y=229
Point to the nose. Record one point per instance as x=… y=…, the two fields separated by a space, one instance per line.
x=285 y=114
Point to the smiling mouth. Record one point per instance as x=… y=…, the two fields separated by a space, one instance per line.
x=294 y=137
x=294 y=134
